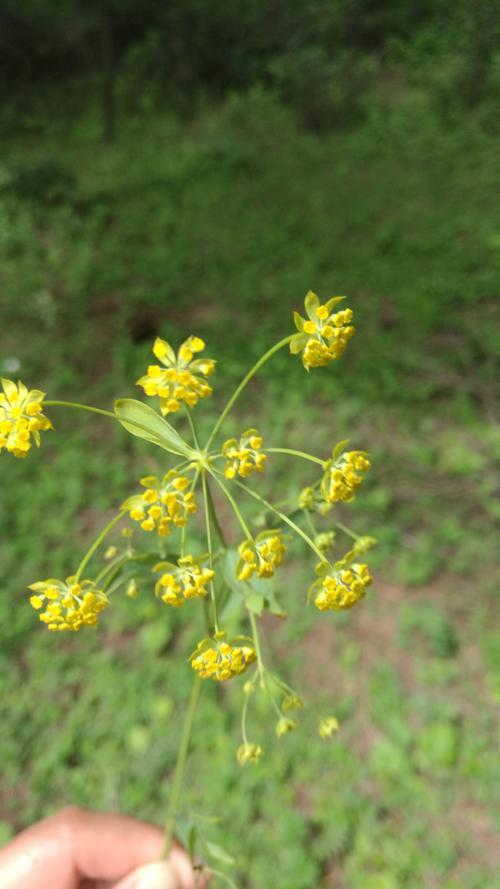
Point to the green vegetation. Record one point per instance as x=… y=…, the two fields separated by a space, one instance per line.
x=217 y=225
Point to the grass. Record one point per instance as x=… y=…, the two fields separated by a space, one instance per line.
x=219 y=228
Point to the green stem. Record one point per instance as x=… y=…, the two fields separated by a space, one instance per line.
x=180 y=766
x=258 y=652
x=245 y=380
x=282 y=516
x=210 y=548
x=193 y=428
x=310 y=523
x=110 y=567
x=97 y=543
x=215 y=518
x=232 y=501
x=294 y=453
x=244 y=719
x=347 y=531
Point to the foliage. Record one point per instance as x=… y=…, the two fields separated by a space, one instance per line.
x=241 y=209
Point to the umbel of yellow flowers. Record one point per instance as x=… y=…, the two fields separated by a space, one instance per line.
x=68 y=605
x=164 y=503
x=325 y=334
x=222 y=660
x=21 y=418
x=181 y=377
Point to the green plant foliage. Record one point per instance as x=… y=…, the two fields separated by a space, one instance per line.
x=213 y=225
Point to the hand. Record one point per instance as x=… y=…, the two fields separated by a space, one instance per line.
x=78 y=849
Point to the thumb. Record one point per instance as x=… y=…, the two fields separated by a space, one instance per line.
x=160 y=875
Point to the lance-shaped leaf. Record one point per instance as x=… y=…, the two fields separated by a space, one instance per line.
x=141 y=420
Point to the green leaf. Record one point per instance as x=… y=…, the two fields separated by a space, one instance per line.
x=298 y=342
x=273 y=604
x=255 y=603
x=311 y=303
x=333 y=302
x=298 y=321
x=192 y=838
x=141 y=420
x=218 y=853
x=339 y=448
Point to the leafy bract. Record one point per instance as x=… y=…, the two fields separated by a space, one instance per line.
x=141 y=420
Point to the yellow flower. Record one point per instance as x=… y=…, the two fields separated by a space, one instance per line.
x=262 y=555
x=244 y=456
x=181 y=378
x=292 y=702
x=341 y=479
x=339 y=587
x=327 y=725
x=285 y=725
x=186 y=580
x=69 y=604
x=324 y=336
x=132 y=589
x=221 y=661
x=21 y=417
x=248 y=753
x=164 y=503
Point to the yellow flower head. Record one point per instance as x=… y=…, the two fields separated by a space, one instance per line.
x=248 y=753
x=342 y=475
x=292 y=702
x=285 y=725
x=220 y=661
x=181 y=378
x=186 y=580
x=262 y=555
x=244 y=456
x=164 y=503
x=327 y=725
x=69 y=604
x=21 y=418
x=323 y=336
x=339 y=587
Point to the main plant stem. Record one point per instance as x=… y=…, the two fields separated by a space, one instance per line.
x=180 y=766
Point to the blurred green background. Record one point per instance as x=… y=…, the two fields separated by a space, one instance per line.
x=196 y=167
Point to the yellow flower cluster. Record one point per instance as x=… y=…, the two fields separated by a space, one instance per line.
x=248 y=753
x=164 y=503
x=21 y=418
x=342 y=589
x=285 y=725
x=244 y=456
x=327 y=725
x=181 y=378
x=68 y=605
x=262 y=555
x=341 y=480
x=222 y=661
x=186 y=580
x=323 y=336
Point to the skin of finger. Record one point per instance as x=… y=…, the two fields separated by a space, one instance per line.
x=74 y=843
x=153 y=876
